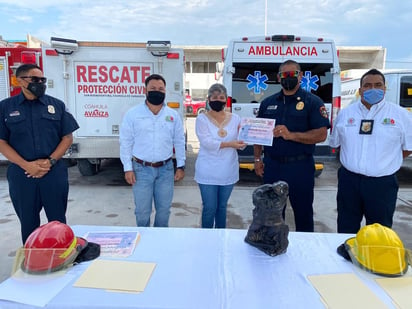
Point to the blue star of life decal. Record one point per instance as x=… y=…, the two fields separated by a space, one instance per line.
x=257 y=82
x=309 y=82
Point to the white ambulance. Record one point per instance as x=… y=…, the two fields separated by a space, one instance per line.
x=100 y=81
x=250 y=72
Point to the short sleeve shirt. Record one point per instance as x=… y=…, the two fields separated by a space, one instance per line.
x=34 y=128
x=377 y=151
x=300 y=112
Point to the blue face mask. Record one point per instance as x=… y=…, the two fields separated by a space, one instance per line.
x=373 y=96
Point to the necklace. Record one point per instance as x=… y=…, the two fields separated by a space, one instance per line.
x=221 y=131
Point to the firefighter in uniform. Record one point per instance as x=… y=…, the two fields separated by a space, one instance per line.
x=35 y=132
x=301 y=122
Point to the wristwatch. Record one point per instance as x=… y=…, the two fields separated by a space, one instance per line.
x=181 y=167
x=52 y=161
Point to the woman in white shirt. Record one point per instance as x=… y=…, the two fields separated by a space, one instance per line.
x=217 y=166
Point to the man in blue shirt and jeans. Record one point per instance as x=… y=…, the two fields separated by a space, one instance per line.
x=148 y=134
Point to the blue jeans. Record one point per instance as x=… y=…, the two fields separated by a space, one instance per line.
x=153 y=183
x=214 y=200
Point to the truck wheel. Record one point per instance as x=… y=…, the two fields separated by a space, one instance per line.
x=69 y=162
x=86 y=168
x=318 y=168
x=201 y=111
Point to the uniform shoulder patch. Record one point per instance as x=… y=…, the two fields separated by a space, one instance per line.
x=324 y=112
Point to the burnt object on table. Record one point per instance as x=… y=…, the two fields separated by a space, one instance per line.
x=268 y=231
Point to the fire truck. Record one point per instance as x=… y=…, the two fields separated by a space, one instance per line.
x=249 y=72
x=100 y=81
x=11 y=57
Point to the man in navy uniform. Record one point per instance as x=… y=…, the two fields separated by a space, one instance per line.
x=301 y=122
x=35 y=132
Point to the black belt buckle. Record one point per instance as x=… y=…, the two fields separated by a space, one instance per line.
x=151 y=164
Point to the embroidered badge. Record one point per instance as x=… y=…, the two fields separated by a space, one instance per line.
x=50 y=109
x=350 y=122
x=14 y=114
x=300 y=105
x=324 y=112
x=270 y=107
x=366 y=126
x=388 y=121
x=169 y=118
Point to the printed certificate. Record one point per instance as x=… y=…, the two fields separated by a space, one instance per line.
x=258 y=131
x=115 y=244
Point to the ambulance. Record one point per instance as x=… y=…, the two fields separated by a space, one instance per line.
x=100 y=81
x=250 y=67
x=11 y=57
x=398 y=87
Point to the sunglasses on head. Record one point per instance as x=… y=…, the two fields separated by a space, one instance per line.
x=288 y=74
x=36 y=79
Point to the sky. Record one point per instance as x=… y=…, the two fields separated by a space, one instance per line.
x=215 y=22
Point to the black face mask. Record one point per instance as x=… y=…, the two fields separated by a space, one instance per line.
x=217 y=106
x=37 y=89
x=289 y=83
x=155 y=97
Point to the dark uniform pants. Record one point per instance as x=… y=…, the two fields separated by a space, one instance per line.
x=359 y=195
x=29 y=195
x=300 y=176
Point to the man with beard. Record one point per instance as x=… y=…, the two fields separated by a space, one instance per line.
x=301 y=122
x=35 y=132
x=148 y=134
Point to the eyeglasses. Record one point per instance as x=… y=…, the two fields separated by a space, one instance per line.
x=36 y=79
x=288 y=74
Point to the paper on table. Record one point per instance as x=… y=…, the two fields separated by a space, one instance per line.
x=115 y=243
x=399 y=289
x=34 y=290
x=116 y=275
x=330 y=288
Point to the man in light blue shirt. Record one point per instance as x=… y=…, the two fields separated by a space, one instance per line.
x=148 y=134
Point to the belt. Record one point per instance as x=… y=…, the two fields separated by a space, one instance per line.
x=152 y=164
x=289 y=159
x=364 y=176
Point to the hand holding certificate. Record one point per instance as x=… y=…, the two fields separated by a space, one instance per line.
x=257 y=131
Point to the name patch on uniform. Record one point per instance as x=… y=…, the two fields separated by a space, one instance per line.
x=366 y=126
x=14 y=114
x=324 y=112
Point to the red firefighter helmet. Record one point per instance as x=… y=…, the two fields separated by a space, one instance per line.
x=51 y=247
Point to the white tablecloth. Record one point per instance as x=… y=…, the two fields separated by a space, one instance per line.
x=200 y=268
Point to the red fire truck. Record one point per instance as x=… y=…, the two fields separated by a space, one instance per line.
x=10 y=58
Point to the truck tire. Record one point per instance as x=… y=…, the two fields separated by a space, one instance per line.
x=86 y=168
x=201 y=110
